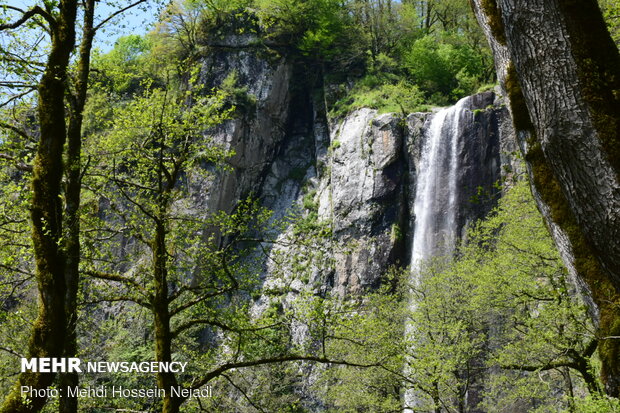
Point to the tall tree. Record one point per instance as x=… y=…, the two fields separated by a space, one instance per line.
x=54 y=208
x=48 y=335
x=561 y=72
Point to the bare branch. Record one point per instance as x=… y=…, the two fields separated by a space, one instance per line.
x=15 y=129
x=36 y=10
x=118 y=278
x=9 y=56
x=117 y=299
x=248 y=398
x=270 y=360
x=17 y=85
x=548 y=366
x=11 y=351
x=18 y=96
x=221 y=325
x=197 y=300
x=18 y=164
x=134 y=202
x=116 y=13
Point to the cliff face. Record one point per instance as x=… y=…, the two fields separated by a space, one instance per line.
x=259 y=132
x=357 y=175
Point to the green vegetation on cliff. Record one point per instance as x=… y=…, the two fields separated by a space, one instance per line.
x=164 y=276
x=383 y=54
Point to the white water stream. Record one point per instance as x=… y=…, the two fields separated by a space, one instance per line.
x=436 y=199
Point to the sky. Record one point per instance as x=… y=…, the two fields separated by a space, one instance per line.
x=136 y=21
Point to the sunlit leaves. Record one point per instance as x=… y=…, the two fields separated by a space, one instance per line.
x=503 y=303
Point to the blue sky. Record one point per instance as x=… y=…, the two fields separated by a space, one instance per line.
x=135 y=22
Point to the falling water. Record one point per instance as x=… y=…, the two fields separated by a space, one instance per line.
x=436 y=200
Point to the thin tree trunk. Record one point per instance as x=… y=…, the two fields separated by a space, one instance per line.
x=163 y=336
x=72 y=209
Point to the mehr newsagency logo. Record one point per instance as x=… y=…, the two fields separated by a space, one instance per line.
x=75 y=365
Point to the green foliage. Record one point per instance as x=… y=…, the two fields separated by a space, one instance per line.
x=448 y=67
x=313 y=26
x=486 y=87
x=401 y=98
x=597 y=404
x=502 y=313
x=123 y=68
x=308 y=201
x=219 y=12
x=147 y=157
x=367 y=333
x=18 y=306
x=177 y=33
x=611 y=14
x=237 y=96
x=394 y=47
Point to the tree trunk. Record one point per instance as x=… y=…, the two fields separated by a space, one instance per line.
x=49 y=330
x=561 y=73
x=161 y=313
x=72 y=204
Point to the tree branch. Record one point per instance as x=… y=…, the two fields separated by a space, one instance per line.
x=11 y=351
x=18 y=164
x=118 y=278
x=117 y=299
x=36 y=10
x=248 y=398
x=216 y=323
x=18 y=96
x=272 y=360
x=15 y=129
x=197 y=300
x=548 y=366
x=116 y=13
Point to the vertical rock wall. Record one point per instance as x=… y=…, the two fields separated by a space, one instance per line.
x=356 y=176
x=358 y=172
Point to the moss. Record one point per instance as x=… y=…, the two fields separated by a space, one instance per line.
x=604 y=293
x=520 y=115
x=396 y=233
x=598 y=70
x=494 y=15
x=589 y=269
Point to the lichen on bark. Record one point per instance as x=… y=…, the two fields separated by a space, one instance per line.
x=494 y=16
x=598 y=71
x=603 y=291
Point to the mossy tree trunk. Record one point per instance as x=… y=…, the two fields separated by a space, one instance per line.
x=167 y=181
x=561 y=72
x=50 y=327
x=161 y=315
x=71 y=244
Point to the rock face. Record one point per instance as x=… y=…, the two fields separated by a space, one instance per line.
x=353 y=180
x=366 y=200
x=356 y=175
x=258 y=132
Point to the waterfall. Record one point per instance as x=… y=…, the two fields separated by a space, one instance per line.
x=436 y=197
x=435 y=206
